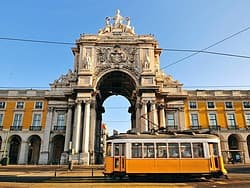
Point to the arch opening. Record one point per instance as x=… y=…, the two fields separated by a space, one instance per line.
x=235 y=154
x=34 y=144
x=117 y=90
x=57 y=148
x=116 y=115
x=248 y=145
x=15 y=144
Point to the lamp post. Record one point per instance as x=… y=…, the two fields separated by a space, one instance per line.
x=70 y=167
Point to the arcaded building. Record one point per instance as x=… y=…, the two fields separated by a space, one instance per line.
x=65 y=122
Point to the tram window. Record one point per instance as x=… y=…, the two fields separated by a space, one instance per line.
x=198 y=150
x=161 y=150
x=123 y=149
x=186 y=150
x=149 y=151
x=116 y=149
x=173 y=149
x=108 y=151
x=136 y=150
x=215 y=149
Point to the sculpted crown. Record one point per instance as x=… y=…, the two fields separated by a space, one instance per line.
x=117 y=25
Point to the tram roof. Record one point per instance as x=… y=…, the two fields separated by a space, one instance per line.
x=190 y=135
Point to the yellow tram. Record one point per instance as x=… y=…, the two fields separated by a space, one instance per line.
x=163 y=154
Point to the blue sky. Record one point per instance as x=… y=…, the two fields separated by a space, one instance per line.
x=178 y=24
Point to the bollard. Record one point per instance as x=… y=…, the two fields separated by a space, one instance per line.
x=55 y=172
x=92 y=171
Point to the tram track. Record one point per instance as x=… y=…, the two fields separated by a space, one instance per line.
x=99 y=179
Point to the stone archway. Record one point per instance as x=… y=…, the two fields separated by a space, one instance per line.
x=14 y=149
x=116 y=61
x=34 y=143
x=57 y=148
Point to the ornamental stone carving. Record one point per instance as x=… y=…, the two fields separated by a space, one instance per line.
x=118 y=26
x=65 y=80
x=117 y=55
x=117 y=58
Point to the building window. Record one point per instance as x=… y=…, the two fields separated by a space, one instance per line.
x=2 y=104
x=17 y=120
x=194 y=121
x=212 y=120
x=1 y=120
x=170 y=120
x=61 y=120
x=247 y=118
x=210 y=104
x=36 y=120
x=20 y=105
x=246 y=104
x=228 y=104
x=39 y=105
x=192 y=105
x=60 y=124
x=231 y=121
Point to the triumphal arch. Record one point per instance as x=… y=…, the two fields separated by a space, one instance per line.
x=116 y=61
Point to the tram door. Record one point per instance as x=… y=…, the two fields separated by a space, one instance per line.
x=119 y=157
x=214 y=156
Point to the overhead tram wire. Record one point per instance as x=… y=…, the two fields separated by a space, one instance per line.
x=36 y=41
x=207 y=52
x=165 y=49
x=204 y=49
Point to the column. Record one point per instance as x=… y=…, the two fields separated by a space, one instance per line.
x=137 y=117
x=77 y=126
x=154 y=120
x=68 y=129
x=92 y=132
x=23 y=155
x=162 y=118
x=181 y=124
x=44 y=153
x=144 y=118
x=85 y=144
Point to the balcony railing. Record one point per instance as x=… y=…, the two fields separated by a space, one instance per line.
x=195 y=127
x=172 y=127
x=35 y=128
x=233 y=127
x=16 y=128
x=214 y=127
x=59 y=128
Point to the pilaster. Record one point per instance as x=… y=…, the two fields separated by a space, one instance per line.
x=44 y=154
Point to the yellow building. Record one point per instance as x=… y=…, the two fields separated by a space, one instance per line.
x=22 y=123
x=225 y=113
